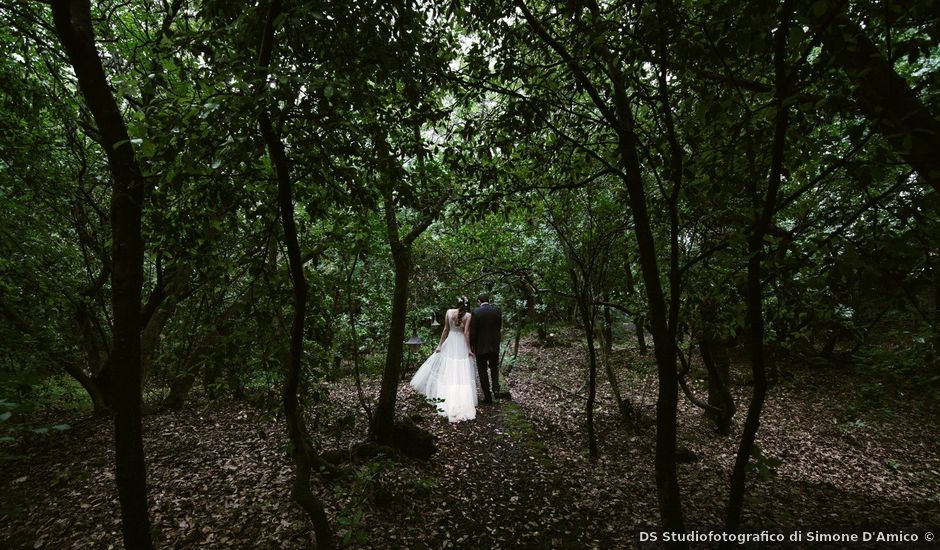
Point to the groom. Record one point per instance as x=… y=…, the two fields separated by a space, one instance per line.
x=485 y=326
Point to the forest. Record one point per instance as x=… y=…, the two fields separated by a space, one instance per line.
x=231 y=233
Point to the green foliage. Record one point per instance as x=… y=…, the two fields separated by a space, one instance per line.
x=764 y=466
x=16 y=425
x=454 y=112
x=521 y=432
x=364 y=490
x=7 y=409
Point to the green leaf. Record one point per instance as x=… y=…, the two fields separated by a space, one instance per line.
x=148 y=149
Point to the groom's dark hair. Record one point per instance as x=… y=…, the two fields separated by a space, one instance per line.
x=483 y=298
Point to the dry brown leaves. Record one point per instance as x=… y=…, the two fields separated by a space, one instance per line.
x=513 y=478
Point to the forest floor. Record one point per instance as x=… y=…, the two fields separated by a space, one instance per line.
x=851 y=454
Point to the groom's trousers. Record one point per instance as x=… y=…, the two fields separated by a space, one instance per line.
x=488 y=366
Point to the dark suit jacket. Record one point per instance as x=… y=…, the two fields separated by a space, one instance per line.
x=485 y=327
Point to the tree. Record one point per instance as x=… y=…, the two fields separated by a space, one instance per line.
x=621 y=120
x=301 y=449
x=74 y=28
x=588 y=234
x=382 y=428
x=764 y=205
x=885 y=98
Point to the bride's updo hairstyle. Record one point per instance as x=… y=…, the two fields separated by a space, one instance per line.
x=463 y=306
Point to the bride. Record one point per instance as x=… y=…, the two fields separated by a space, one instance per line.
x=449 y=374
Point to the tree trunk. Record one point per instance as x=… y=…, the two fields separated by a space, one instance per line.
x=608 y=330
x=639 y=323
x=100 y=404
x=383 y=429
x=383 y=419
x=586 y=307
x=753 y=295
x=607 y=348
x=153 y=331
x=714 y=351
x=95 y=348
x=301 y=449
x=622 y=406
x=752 y=422
x=592 y=381
x=531 y=301
x=715 y=356
x=667 y=482
x=885 y=97
x=296 y=430
x=352 y=310
x=638 y=320
x=621 y=120
x=74 y=28
x=179 y=391
x=185 y=376
x=196 y=352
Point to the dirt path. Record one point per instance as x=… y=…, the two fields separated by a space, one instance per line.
x=498 y=488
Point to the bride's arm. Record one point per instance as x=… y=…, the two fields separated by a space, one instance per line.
x=444 y=332
x=466 y=332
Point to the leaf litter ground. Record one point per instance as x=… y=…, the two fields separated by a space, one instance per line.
x=516 y=477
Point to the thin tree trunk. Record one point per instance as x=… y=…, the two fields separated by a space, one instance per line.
x=606 y=350
x=382 y=425
x=621 y=120
x=352 y=312
x=99 y=403
x=72 y=19
x=586 y=305
x=296 y=430
x=383 y=419
x=713 y=349
x=716 y=362
x=301 y=448
x=382 y=428
x=638 y=320
x=753 y=295
x=752 y=422
x=667 y=482
x=608 y=329
x=586 y=315
x=622 y=406
x=179 y=391
x=153 y=330
x=581 y=284
x=532 y=312
x=665 y=465
x=97 y=379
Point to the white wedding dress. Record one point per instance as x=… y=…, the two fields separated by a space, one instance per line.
x=450 y=375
